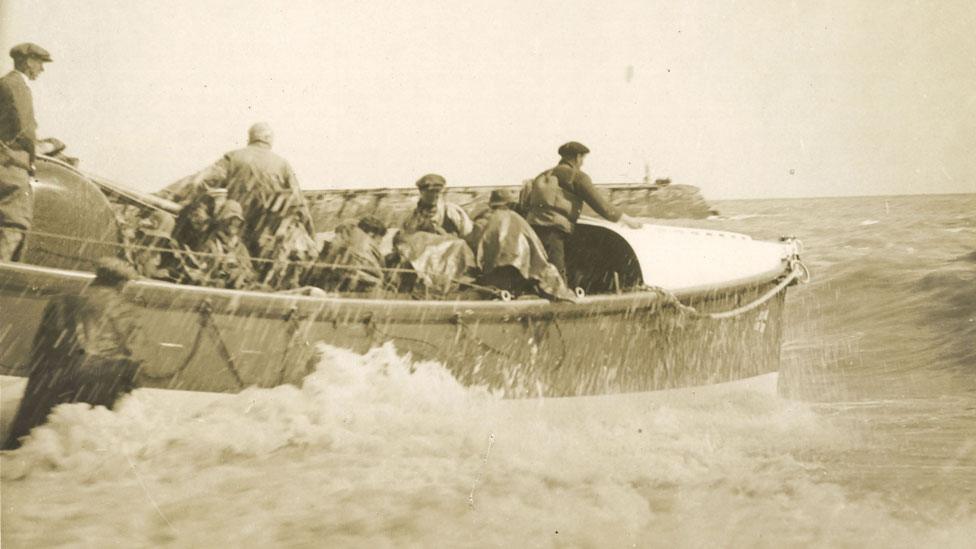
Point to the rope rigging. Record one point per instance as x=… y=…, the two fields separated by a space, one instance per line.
x=503 y=295
x=797 y=273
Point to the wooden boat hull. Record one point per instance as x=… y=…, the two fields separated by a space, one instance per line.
x=623 y=337
x=222 y=340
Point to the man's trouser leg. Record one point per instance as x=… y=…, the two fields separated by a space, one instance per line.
x=10 y=241
x=95 y=381
x=554 y=241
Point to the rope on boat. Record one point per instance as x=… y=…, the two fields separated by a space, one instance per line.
x=206 y=326
x=464 y=330
x=503 y=295
x=798 y=273
x=206 y=320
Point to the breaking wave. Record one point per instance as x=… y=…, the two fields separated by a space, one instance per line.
x=379 y=449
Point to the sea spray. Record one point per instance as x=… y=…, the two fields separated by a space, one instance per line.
x=376 y=447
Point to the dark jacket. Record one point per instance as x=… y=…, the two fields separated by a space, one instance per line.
x=578 y=189
x=97 y=322
x=354 y=262
x=17 y=124
x=17 y=132
x=88 y=349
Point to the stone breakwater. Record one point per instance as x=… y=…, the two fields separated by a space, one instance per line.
x=330 y=207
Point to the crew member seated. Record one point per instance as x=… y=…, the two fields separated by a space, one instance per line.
x=154 y=245
x=230 y=265
x=353 y=262
x=431 y=266
x=509 y=253
x=286 y=249
x=435 y=215
x=190 y=264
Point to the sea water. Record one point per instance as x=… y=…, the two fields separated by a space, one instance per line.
x=869 y=441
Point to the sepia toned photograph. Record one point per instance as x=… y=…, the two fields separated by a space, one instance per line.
x=487 y=274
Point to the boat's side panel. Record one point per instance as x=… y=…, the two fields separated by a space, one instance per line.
x=213 y=340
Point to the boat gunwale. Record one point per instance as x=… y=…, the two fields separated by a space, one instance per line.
x=159 y=294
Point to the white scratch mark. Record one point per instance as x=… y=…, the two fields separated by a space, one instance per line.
x=145 y=489
x=484 y=464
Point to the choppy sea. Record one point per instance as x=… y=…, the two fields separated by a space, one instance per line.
x=866 y=439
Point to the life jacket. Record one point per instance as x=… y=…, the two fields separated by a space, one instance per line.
x=545 y=203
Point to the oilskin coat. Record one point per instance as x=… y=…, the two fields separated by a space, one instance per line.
x=502 y=239
x=440 y=264
x=84 y=351
x=354 y=263
x=265 y=186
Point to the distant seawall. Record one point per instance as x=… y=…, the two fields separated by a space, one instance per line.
x=662 y=201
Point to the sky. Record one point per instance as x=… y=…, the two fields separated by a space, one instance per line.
x=745 y=99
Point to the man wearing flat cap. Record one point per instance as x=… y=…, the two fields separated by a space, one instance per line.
x=435 y=215
x=17 y=147
x=552 y=202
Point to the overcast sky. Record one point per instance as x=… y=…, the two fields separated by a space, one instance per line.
x=746 y=99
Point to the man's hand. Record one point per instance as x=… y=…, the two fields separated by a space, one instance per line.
x=630 y=222
x=50 y=146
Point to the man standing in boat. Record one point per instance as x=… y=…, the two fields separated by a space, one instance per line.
x=262 y=182
x=18 y=147
x=435 y=215
x=551 y=202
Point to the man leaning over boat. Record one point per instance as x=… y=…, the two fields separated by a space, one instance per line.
x=552 y=202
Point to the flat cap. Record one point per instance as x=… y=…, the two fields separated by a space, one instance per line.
x=112 y=270
x=431 y=181
x=28 y=49
x=572 y=149
x=372 y=225
x=502 y=197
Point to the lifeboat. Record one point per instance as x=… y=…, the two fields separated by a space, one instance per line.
x=661 y=307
